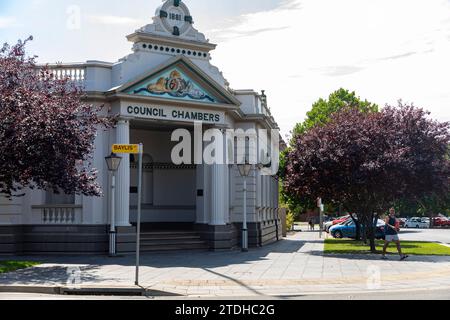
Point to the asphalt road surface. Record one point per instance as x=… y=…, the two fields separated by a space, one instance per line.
x=434 y=235
x=400 y=295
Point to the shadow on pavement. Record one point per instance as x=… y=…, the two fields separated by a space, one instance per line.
x=54 y=275
x=58 y=273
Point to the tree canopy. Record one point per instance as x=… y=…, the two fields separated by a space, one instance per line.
x=46 y=132
x=320 y=114
x=323 y=109
x=367 y=161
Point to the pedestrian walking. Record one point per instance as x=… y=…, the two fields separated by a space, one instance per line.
x=311 y=224
x=392 y=235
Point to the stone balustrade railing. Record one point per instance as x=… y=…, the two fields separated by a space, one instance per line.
x=60 y=214
x=73 y=72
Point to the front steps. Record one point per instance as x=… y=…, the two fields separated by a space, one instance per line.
x=167 y=240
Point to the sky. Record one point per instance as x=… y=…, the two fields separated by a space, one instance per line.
x=296 y=50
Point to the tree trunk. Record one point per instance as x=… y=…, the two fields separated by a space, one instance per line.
x=358 y=227
x=364 y=230
x=372 y=230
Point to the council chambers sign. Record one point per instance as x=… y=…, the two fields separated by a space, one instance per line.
x=169 y=113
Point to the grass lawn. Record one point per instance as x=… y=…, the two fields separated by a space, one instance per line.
x=9 y=266
x=336 y=246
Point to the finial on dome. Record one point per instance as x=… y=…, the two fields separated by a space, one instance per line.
x=172 y=19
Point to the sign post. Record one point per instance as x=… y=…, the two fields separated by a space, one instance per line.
x=321 y=210
x=135 y=149
x=139 y=213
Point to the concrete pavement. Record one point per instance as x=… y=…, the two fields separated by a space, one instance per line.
x=387 y=296
x=295 y=266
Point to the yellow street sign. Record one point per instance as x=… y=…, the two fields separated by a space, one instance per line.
x=125 y=148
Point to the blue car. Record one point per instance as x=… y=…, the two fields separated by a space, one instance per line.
x=348 y=230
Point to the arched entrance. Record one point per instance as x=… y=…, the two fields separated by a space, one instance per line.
x=169 y=192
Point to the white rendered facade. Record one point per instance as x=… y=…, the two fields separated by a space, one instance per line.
x=137 y=88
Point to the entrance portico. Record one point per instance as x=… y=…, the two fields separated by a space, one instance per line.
x=190 y=196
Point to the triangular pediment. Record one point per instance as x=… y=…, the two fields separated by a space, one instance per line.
x=181 y=80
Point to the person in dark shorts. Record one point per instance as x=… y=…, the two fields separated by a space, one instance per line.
x=392 y=235
x=311 y=224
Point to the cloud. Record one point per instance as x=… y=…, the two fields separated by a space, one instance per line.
x=399 y=56
x=227 y=34
x=115 y=20
x=384 y=50
x=335 y=71
x=7 y=22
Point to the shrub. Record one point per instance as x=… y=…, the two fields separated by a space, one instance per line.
x=290 y=219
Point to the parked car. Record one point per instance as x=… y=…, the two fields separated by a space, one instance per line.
x=402 y=222
x=327 y=225
x=417 y=223
x=441 y=222
x=337 y=221
x=348 y=230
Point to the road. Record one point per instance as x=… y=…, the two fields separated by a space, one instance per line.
x=435 y=235
x=399 y=295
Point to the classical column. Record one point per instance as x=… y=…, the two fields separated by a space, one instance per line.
x=217 y=195
x=219 y=190
x=123 y=177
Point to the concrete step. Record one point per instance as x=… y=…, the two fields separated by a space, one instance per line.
x=175 y=238
x=167 y=235
x=171 y=240
x=153 y=242
x=174 y=247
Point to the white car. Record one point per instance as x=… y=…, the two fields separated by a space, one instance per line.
x=327 y=226
x=417 y=223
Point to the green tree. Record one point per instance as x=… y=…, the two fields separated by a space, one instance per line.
x=367 y=161
x=427 y=206
x=322 y=110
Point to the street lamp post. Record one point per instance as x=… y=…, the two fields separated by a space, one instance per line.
x=113 y=161
x=244 y=170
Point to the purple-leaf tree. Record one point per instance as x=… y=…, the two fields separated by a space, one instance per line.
x=367 y=161
x=46 y=132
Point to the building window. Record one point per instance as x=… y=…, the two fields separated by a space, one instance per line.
x=51 y=198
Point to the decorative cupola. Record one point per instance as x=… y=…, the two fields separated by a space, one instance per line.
x=172 y=32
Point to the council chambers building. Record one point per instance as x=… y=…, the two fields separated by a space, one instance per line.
x=166 y=83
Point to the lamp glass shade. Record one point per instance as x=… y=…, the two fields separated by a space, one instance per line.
x=113 y=162
x=244 y=169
